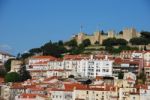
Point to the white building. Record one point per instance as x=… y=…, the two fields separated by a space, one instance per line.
x=137 y=54
x=95 y=67
x=75 y=65
x=39 y=62
x=5 y=56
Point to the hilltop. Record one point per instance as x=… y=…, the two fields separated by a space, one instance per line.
x=127 y=39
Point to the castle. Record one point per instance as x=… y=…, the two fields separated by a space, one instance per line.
x=98 y=37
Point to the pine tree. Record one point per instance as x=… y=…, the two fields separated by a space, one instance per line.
x=24 y=74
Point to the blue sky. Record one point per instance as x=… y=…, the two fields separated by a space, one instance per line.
x=26 y=24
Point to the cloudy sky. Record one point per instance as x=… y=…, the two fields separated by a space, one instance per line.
x=25 y=24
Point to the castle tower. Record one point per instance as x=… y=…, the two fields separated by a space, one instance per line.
x=97 y=36
x=111 y=34
x=129 y=33
x=80 y=37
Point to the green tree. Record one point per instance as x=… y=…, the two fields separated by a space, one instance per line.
x=72 y=43
x=109 y=49
x=114 y=42
x=142 y=76
x=26 y=55
x=87 y=82
x=71 y=76
x=145 y=47
x=139 y=41
x=24 y=74
x=18 y=56
x=86 y=42
x=96 y=43
x=120 y=75
x=12 y=77
x=123 y=47
x=53 y=49
x=7 y=65
x=145 y=34
x=35 y=50
x=102 y=32
x=110 y=42
x=2 y=73
x=121 y=32
x=60 y=43
x=121 y=42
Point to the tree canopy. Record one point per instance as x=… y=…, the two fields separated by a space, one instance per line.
x=53 y=49
x=12 y=77
x=72 y=43
x=114 y=42
x=86 y=42
x=7 y=65
x=35 y=50
x=145 y=34
x=24 y=74
x=120 y=75
x=139 y=41
x=2 y=73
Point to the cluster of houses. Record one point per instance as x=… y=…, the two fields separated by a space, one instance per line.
x=82 y=77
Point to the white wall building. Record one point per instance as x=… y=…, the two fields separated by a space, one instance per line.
x=5 y=56
x=95 y=67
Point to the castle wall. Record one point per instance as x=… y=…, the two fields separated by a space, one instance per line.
x=129 y=33
x=97 y=36
x=91 y=38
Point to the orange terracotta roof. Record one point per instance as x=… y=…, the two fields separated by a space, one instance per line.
x=38 y=70
x=118 y=60
x=17 y=86
x=2 y=80
x=31 y=96
x=141 y=86
x=77 y=86
x=41 y=62
x=25 y=95
x=131 y=61
x=130 y=79
x=41 y=57
x=99 y=77
x=51 y=78
x=36 y=88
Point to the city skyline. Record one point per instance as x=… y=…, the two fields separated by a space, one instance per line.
x=29 y=24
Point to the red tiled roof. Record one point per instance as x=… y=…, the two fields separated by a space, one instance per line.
x=28 y=95
x=36 y=88
x=45 y=57
x=51 y=78
x=17 y=86
x=141 y=86
x=1 y=80
x=38 y=70
x=77 y=86
x=117 y=60
x=24 y=95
